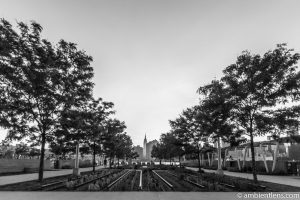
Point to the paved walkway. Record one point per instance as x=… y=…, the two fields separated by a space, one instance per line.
x=285 y=180
x=5 y=180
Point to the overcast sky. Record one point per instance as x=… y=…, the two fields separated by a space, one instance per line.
x=150 y=56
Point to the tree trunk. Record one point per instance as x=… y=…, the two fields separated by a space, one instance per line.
x=94 y=156
x=179 y=161
x=219 y=171
x=118 y=162
x=41 y=169
x=275 y=156
x=208 y=158
x=238 y=159
x=110 y=162
x=244 y=156
x=199 y=162
x=264 y=158
x=160 y=162
x=253 y=155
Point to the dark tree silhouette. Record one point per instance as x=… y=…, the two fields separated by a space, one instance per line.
x=38 y=81
x=257 y=82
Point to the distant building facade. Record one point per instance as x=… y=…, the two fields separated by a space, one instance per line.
x=145 y=151
x=139 y=150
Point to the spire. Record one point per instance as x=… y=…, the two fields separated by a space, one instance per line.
x=145 y=139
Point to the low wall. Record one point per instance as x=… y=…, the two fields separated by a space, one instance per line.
x=64 y=163
x=18 y=165
x=71 y=163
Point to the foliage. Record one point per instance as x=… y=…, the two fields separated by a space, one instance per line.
x=256 y=83
x=38 y=81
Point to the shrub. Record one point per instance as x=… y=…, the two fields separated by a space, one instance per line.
x=85 y=164
x=66 y=167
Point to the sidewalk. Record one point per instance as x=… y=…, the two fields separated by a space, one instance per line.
x=5 y=180
x=285 y=180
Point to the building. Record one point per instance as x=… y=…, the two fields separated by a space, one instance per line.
x=145 y=151
x=139 y=150
x=149 y=147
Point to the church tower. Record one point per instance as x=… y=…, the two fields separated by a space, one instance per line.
x=145 y=147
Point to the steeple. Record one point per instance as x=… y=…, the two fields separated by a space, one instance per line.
x=145 y=147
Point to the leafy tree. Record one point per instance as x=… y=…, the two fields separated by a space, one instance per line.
x=98 y=111
x=215 y=117
x=33 y=152
x=22 y=150
x=132 y=154
x=172 y=145
x=278 y=122
x=159 y=151
x=190 y=124
x=38 y=81
x=123 y=146
x=114 y=127
x=257 y=82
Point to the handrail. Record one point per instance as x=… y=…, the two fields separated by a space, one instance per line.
x=141 y=177
x=90 y=181
x=194 y=183
x=114 y=182
x=169 y=184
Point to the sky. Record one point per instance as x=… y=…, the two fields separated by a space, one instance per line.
x=150 y=56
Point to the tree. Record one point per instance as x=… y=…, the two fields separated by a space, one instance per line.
x=181 y=138
x=114 y=127
x=215 y=117
x=123 y=146
x=22 y=150
x=38 y=81
x=278 y=122
x=159 y=151
x=188 y=127
x=98 y=112
x=257 y=82
x=33 y=152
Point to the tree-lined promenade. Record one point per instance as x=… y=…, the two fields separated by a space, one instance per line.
x=46 y=97
x=257 y=95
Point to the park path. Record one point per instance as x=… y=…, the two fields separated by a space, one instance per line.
x=5 y=180
x=285 y=180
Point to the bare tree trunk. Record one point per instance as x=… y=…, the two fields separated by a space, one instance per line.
x=199 y=162
x=94 y=156
x=244 y=156
x=264 y=158
x=238 y=159
x=41 y=169
x=208 y=158
x=219 y=171
x=275 y=156
x=253 y=155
